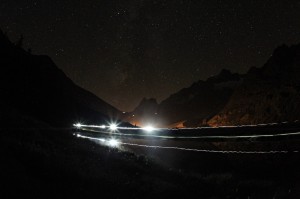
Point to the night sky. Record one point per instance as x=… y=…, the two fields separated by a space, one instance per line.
x=126 y=50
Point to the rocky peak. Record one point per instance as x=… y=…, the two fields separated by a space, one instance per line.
x=284 y=59
x=147 y=104
x=224 y=76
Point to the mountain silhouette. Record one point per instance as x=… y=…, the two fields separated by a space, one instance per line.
x=262 y=95
x=268 y=94
x=144 y=114
x=191 y=106
x=32 y=86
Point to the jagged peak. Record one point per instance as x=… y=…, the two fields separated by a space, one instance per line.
x=224 y=76
x=253 y=70
x=283 y=50
x=225 y=71
x=148 y=100
x=281 y=60
x=4 y=38
x=145 y=104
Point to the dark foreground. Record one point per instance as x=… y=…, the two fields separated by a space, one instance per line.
x=43 y=163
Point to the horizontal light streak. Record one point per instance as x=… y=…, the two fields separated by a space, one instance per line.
x=190 y=137
x=190 y=149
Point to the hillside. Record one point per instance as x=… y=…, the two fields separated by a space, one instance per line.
x=33 y=86
x=263 y=95
x=191 y=106
x=268 y=94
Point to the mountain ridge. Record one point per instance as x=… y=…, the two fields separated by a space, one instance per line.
x=267 y=94
x=35 y=86
x=182 y=108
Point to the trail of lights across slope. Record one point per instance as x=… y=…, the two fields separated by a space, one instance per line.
x=190 y=137
x=187 y=149
x=158 y=129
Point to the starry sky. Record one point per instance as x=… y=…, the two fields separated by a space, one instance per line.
x=124 y=50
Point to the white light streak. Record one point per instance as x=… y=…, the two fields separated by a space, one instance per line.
x=115 y=143
x=190 y=137
x=115 y=127
x=102 y=126
x=111 y=142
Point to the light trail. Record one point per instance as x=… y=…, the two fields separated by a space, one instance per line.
x=115 y=127
x=189 y=149
x=194 y=137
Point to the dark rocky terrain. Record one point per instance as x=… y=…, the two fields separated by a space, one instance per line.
x=198 y=103
x=192 y=106
x=262 y=95
x=268 y=94
x=33 y=86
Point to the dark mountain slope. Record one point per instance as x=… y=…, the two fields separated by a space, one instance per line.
x=33 y=85
x=201 y=101
x=192 y=106
x=268 y=94
x=263 y=95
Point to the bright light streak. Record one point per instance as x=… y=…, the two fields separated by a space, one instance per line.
x=102 y=126
x=148 y=128
x=113 y=127
x=113 y=142
x=78 y=125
